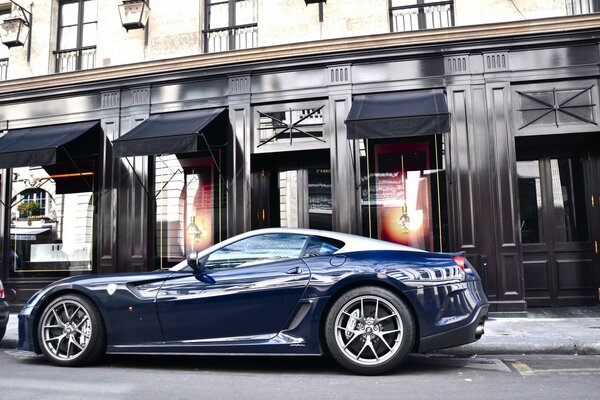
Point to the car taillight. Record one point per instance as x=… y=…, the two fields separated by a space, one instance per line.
x=1 y=291
x=460 y=261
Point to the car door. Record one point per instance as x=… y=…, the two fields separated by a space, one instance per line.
x=247 y=288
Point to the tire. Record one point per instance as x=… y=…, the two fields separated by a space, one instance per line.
x=2 y=332
x=369 y=330
x=71 y=331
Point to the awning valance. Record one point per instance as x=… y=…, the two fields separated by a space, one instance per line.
x=170 y=133
x=40 y=145
x=398 y=114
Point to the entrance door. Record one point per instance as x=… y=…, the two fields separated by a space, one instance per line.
x=292 y=191
x=558 y=206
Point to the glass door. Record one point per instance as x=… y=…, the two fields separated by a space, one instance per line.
x=555 y=200
x=289 y=195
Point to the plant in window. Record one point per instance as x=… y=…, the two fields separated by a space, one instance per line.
x=29 y=208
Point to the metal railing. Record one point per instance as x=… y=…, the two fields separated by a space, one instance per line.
x=75 y=60
x=422 y=16
x=3 y=69
x=579 y=7
x=234 y=38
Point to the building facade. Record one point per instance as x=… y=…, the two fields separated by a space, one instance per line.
x=449 y=126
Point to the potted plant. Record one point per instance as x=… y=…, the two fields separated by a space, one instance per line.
x=29 y=208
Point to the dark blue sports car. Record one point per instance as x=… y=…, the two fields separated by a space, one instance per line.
x=366 y=302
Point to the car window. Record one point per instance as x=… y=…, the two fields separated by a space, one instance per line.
x=318 y=246
x=258 y=249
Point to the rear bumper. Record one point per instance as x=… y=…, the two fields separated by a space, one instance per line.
x=464 y=334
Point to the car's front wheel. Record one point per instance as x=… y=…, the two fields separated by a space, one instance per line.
x=369 y=330
x=71 y=331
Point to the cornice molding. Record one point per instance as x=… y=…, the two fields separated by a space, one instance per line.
x=313 y=48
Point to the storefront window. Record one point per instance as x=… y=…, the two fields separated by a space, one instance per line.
x=191 y=205
x=403 y=192
x=51 y=220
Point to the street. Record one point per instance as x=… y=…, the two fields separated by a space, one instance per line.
x=25 y=376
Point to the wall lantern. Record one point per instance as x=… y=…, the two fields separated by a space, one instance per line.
x=15 y=29
x=134 y=14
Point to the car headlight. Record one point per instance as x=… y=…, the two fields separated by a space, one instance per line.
x=26 y=311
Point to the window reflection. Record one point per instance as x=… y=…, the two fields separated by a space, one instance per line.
x=552 y=194
x=403 y=192
x=530 y=201
x=258 y=250
x=51 y=227
x=568 y=199
x=190 y=207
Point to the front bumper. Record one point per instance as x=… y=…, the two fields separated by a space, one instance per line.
x=26 y=340
x=464 y=334
x=3 y=314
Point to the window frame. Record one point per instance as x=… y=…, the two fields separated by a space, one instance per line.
x=304 y=142
x=230 y=28
x=80 y=25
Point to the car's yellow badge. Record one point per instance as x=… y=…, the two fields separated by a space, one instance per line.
x=111 y=288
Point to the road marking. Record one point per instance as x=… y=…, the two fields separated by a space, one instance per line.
x=524 y=370
x=489 y=364
x=567 y=371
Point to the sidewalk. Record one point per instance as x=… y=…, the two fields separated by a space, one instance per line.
x=565 y=330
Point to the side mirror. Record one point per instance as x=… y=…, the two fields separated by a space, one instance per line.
x=192 y=262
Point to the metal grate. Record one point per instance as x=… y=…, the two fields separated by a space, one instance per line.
x=75 y=60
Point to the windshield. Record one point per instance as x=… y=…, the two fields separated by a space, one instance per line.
x=179 y=267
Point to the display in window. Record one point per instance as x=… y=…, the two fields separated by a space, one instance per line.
x=51 y=220
x=403 y=192
x=190 y=206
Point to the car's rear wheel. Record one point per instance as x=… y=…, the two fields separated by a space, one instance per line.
x=71 y=331
x=2 y=332
x=369 y=330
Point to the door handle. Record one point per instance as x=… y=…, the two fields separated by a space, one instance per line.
x=295 y=270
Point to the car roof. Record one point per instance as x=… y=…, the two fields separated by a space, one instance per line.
x=351 y=242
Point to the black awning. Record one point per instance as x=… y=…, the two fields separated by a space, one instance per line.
x=39 y=145
x=397 y=114
x=171 y=133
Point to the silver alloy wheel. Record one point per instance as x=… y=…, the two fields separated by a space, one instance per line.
x=368 y=330
x=66 y=329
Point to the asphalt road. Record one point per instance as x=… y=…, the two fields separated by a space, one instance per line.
x=25 y=376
